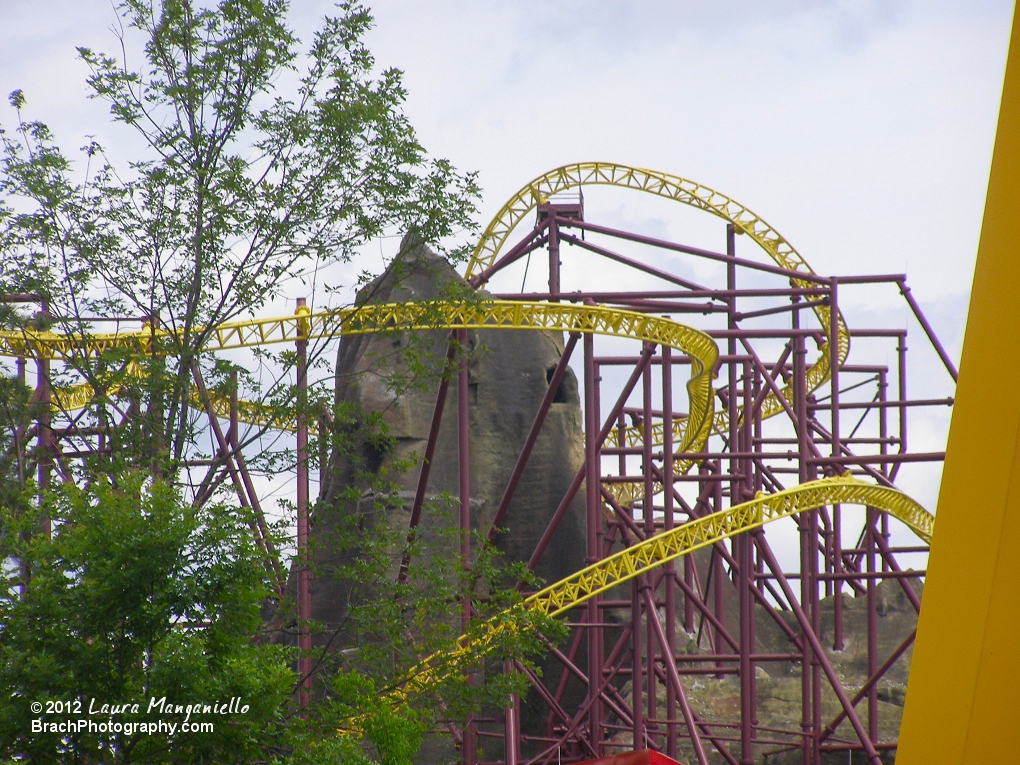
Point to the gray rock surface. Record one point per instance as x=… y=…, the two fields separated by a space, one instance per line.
x=397 y=375
x=508 y=377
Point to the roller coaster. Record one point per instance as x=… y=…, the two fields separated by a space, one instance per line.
x=727 y=567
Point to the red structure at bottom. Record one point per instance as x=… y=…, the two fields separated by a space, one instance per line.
x=639 y=757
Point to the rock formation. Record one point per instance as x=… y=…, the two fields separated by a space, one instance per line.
x=508 y=378
x=394 y=376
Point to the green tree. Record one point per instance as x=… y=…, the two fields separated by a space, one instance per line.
x=138 y=596
x=144 y=591
x=240 y=188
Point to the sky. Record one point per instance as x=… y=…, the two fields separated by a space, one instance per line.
x=860 y=129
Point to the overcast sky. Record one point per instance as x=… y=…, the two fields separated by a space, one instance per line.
x=860 y=129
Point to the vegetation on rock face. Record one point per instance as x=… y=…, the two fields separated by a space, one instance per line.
x=142 y=591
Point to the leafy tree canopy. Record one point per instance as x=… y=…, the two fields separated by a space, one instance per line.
x=241 y=187
x=149 y=587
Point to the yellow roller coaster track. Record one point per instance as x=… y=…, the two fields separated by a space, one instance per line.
x=78 y=396
x=391 y=317
x=370 y=319
x=325 y=324
x=627 y=564
x=687 y=192
x=411 y=316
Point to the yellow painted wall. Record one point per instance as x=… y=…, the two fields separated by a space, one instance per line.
x=963 y=695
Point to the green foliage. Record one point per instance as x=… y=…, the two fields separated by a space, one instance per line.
x=408 y=599
x=240 y=189
x=151 y=586
x=387 y=735
x=137 y=596
x=16 y=413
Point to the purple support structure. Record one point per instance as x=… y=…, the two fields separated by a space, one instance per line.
x=430 y=451
x=871 y=684
x=717 y=575
x=872 y=628
x=705 y=488
x=806 y=528
x=738 y=443
x=675 y=684
x=249 y=495
x=811 y=634
x=835 y=559
x=745 y=583
x=469 y=745
x=575 y=485
x=636 y=668
x=593 y=516
x=554 y=258
x=901 y=377
x=512 y=725
x=648 y=518
x=529 y=442
x=304 y=583
x=919 y=315
x=669 y=644
x=229 y=456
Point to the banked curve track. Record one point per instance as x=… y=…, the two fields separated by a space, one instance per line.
x=631 y=562
x=686 y=192
x=692 y=431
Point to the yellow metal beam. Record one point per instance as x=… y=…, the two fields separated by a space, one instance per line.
x=660 y=184
x=963 y=695
x=369 y=319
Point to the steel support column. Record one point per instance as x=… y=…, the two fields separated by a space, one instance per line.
x=304 y=583
x=470 y=743
x=593 y=516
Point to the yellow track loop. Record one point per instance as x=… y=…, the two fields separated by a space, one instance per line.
x=661 y=184
x=686 y=192
x=627 y=564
